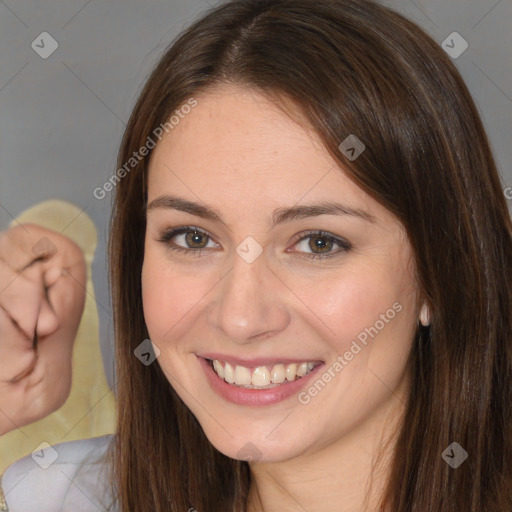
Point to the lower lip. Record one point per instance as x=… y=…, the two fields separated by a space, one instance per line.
x=245 y=396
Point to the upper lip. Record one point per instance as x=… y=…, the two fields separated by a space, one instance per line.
x=258 y=361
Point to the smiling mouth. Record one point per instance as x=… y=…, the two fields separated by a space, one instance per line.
x=261 y=377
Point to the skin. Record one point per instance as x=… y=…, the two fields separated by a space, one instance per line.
x=244 y=157
x=42 y=290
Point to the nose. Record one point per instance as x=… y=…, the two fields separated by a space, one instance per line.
x=248 y=306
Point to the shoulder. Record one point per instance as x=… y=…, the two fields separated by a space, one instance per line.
x=71 y=476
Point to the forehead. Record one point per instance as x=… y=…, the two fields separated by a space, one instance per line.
x=237 y=128
x=238 y=146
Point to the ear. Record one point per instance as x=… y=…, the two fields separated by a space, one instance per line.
x=424 y=316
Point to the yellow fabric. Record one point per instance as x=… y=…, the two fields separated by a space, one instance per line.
x=89 y=410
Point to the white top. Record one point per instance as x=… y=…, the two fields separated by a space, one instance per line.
x=68 y=477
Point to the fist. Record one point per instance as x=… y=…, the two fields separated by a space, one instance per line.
x=42 y=297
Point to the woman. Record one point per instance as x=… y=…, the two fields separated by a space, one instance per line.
x=310 y=229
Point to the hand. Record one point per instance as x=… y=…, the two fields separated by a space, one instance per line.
x=42 y=297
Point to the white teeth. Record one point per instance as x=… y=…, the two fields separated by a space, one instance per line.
x=217 y=366
x=229 y=374
x=261 y=377
x=302 y=369
x=278 y=374
x=291 y=371
x=242 y=376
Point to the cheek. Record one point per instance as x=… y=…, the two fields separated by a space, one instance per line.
x=373 y=316
x=170 y=298
x=370 y=312
x=348 y=304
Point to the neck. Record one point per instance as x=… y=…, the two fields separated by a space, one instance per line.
x=347 y=476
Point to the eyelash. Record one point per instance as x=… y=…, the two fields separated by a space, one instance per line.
x=166 y=237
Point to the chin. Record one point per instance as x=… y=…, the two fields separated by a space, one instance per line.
x=255 y=446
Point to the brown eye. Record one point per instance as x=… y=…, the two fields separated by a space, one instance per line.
x=320 y=244
x=196 y=240
x=187 y=239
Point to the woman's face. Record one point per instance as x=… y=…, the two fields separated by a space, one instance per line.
x=259 y=288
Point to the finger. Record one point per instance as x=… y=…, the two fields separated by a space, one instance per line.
x=22 y=245
x=47 y=320
x=16 y=352
x=30 y=368
x=20 y=298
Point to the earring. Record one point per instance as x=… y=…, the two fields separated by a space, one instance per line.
x=424 y=318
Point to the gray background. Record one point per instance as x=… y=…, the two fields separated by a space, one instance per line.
x=62 y=117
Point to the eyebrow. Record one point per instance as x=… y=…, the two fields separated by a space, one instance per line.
x=280 y=215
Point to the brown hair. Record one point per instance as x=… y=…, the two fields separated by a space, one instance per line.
x=351 y=67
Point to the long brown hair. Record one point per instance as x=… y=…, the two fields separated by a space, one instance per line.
x=351 y=67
